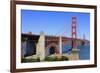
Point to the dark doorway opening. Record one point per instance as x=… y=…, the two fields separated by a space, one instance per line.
x=52 y=50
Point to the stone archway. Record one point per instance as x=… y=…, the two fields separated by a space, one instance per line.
x=52 y=49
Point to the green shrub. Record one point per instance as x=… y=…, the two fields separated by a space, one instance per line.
x=50 y=59
x=63 y=58
x=38 y=59
x=30 y=60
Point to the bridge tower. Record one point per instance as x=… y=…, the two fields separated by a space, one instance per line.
x=83 y=36
x=74 y=54
x=74 y=31
x=84 y=39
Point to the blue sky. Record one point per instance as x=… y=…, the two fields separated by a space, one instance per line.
x=55 y=23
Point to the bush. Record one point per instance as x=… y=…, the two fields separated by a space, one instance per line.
x=50 y=59
x=63 y=58
x=30 y=60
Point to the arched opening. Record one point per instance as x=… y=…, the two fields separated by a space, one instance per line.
x=52 y=50
x=83 y=43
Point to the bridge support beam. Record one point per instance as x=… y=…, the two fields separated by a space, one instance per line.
x=23 y=47
x=40 y=51
x=60 y=45
x=75 y=54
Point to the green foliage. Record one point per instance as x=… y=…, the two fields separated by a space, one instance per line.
x=63 y=58
x=30 y=60
x=38 y=59
x=50 y=59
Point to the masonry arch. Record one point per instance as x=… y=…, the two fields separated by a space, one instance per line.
x=52 y=49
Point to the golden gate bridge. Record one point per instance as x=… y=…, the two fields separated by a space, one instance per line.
x=40 y=44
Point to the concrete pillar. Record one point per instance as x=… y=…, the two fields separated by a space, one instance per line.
x=60 y=45
x=75 y=54
x=40 y=47
x=23 y=47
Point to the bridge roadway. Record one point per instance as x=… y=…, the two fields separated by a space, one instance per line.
x=44 y=45
x=55 y=39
